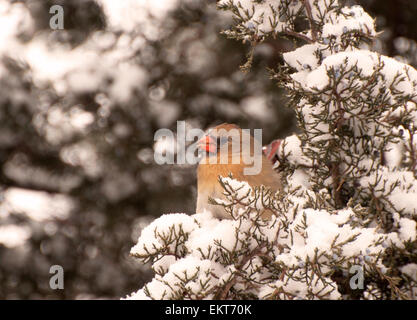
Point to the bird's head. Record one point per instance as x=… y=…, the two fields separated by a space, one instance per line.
x=220 y=137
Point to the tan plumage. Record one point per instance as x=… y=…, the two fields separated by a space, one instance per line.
x=207 y=176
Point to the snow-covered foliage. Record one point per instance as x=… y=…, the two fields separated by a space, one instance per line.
x=293 y=255
x=350 y=176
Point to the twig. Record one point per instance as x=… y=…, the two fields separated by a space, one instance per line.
x=223 y=293
x=297 y=35
x=311 y=20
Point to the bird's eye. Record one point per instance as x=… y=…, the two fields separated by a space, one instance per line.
x=218 y=142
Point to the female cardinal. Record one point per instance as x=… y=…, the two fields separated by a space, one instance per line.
x=221 y=161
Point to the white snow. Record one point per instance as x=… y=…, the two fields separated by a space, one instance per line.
x=260 y=17
x=127 y=15
x=194 y=272
x=290 y=148
x=152 y=237
x=403 y=197
x=410 y=270
x=408 y=229
x=37 y=205
x=304 y=57
x=350 y=19
x=365 y=60
x=13 y=236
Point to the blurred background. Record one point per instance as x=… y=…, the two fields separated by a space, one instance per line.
x=78 y=111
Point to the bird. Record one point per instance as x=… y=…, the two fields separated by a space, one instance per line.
x=211 y=146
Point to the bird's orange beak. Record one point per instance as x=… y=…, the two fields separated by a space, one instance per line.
x=207 y=144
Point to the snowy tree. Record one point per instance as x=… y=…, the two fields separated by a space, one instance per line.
x=345 y=226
